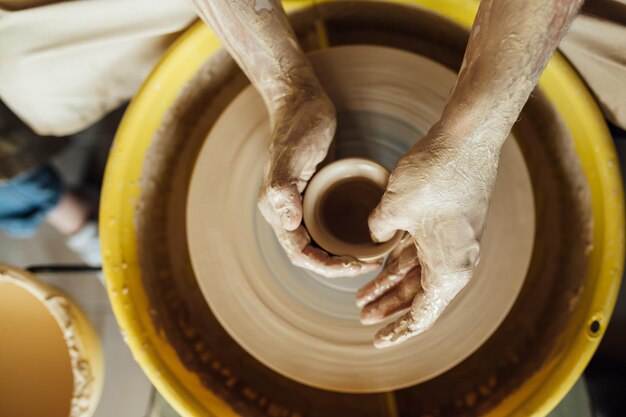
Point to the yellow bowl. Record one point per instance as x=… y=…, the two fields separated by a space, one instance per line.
x=183 y=389
x=83 y=345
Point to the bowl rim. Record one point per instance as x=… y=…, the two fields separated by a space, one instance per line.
x=324 y=180
x=121 y=191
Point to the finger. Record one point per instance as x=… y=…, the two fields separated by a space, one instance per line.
x=329 y=266
x=398 y=265
x=381 y=222
x=396 y=332
x=286 y=202
x=424 y=311
x=426 y=308
x=439 y=290
x=395 y=300
x=302 y=253
x=405 y=242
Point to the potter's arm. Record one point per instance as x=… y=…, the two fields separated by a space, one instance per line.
x=258 y=36
x=440 y=191
x=510 y=44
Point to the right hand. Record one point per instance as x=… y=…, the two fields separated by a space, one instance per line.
x=305 y=124
x=439 y=193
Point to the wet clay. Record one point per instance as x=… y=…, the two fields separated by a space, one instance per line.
x=35 y=368
x=346 y=206
x=550 y=294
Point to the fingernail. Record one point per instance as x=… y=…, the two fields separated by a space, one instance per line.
x=383 y=339
x=350 y=264
x=368 y=319
x=285 y=218
x=382 y=237
x=288 y=220
x=371 y=314
x=382 y=343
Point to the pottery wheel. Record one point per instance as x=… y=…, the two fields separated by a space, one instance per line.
x=302 y=325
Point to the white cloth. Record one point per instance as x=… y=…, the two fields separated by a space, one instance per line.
x=597 y=48
x=63 y=66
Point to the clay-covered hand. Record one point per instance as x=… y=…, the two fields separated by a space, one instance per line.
x=439 y=193
x=259 y=37
x=304 y=128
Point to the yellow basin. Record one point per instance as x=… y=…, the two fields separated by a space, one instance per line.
x=182 y=388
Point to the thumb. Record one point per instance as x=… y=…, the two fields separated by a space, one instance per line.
x=286 y=202
x=382 y=227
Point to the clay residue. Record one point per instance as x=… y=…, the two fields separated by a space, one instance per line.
x=519 y=347
x=84 y=389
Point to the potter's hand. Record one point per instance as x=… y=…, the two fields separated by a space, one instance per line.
x=440 y=191
x=304 y=128
x=258 y=36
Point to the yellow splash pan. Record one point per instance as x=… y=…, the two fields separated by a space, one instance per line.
x=183 y=389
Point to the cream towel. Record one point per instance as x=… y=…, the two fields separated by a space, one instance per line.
x=63 y=66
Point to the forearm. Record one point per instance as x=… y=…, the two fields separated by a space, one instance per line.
x=258 y=36
x=510 y=44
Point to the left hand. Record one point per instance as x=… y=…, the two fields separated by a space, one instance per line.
x=304 y=128
x=439 y=193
